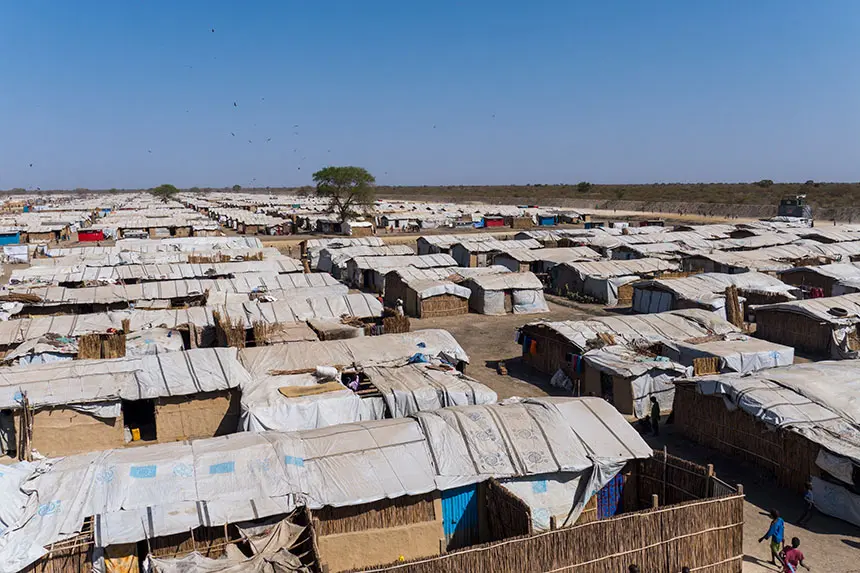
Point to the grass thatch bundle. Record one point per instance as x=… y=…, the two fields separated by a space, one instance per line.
x=264 y=331
x=208 y=259
x=376 y=515
x=89 y=347
x=396 y=324
x=21 y=297
x=507 y=515
x=113 y=345
x=230 y=332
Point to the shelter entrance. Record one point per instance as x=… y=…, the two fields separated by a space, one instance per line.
x=139 y=419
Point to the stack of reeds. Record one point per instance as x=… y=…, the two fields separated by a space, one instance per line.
x=396 y=324
x=21 y=297
x=264 y=331
x=113 y=345
x=733 y=307
x=230 y=332
x=89 y=346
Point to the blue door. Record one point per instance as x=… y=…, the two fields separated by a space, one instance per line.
x=609 y=499
x=460 y=516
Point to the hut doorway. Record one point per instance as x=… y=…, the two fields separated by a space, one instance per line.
x=460 y=516
x=139 y=419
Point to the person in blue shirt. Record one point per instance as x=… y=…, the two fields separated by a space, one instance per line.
x=776 y=534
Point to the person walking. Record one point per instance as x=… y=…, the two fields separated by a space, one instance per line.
x=809 y=505
x=776 y=534
x=792 y=557
x=655 y=416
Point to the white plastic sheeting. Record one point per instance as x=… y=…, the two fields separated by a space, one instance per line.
x=601 y=279
x=489 y=292
x=676 y=325
x=817 y=400
x=836 y=500
x=158 y=490
x=649 y=376
x=265 y=408
x=391 y=349
x=152 y=341
x=422 y=387
x=706 y=290
x=149 y=376
x=737 y=353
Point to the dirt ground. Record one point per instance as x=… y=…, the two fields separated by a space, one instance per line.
x=829 y=544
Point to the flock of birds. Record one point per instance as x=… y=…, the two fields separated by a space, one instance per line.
x=250 y=141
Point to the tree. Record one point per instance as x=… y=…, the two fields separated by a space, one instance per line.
x=164 y=192
x=349 y=189
x=194 y=190
x=237 y=187
x=584 y=186
x=764 y=183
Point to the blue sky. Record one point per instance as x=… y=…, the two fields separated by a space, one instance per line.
x=124 y=94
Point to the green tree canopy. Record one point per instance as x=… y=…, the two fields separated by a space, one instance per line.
x=237 y=187
x=349 y=189
x=584 y=186
x=164 y=192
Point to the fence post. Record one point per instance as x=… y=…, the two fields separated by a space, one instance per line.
x=665 y=467
x=654 y=501
x=709 y=484
x=741 y=488
x=552 y=525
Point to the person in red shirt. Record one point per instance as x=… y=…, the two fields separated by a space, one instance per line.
x=792 y=557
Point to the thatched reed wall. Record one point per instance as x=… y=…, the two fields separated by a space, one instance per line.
x=377 y=515
x=208 y=541
x=95 y=346
x=551 y=349
x=791 y=329
x=507 y=515
x=396 y=324
x=229 y=332
x=706 y=420
x=706 y=536
x=442 y=305
x=673 y=480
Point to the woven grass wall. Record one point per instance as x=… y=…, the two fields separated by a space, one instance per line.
x=443 y=305
x=705 y=535
x=804 y=334
x=377 y=515
x=551 y=349
x=706 y=420
x=507 y=515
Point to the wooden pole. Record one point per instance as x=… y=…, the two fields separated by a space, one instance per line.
x=655 y=501
x=665 y=468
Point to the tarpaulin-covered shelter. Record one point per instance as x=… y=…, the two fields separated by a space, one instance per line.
x=405 y=475
x=542 y=260
x=433 y=292
x=801 y=422
x=550 y=346
x=708 y=291
x=369 y=272
x=628 y=379
x=828 y=278
x=819 y=326
x=432 y=244
x=517 y=293
x=606 y=280
x=480 y=253
x=89 y=405
x=305 y=401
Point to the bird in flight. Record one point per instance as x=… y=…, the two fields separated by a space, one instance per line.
x=213 y=30
x=31 y=165
x=235 y=104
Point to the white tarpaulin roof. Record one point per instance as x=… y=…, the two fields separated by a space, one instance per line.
x=675 y=325
x=158 y=490
x=818 y=400
x=151 y=376
x=708 y=288
x=151 y=272
x=819 y=308
x=159 y=290
x=364 y=351
x=608 y=269
x=554 y=255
